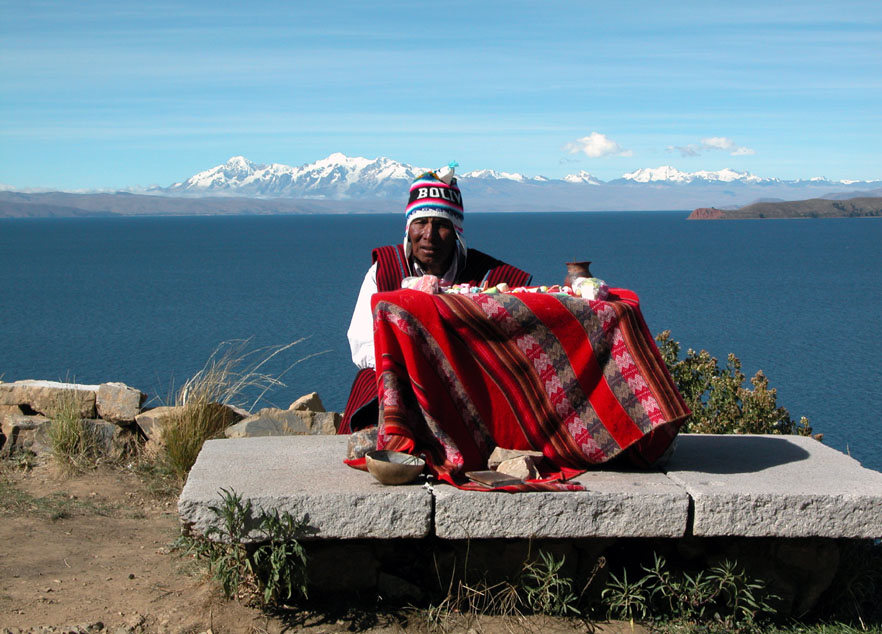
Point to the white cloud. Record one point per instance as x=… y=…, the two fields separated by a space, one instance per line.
x=685 y=150
x=721 y=143
x=743 y=151
x=596 y=145
x=718 y=143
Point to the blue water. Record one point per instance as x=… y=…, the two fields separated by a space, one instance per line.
x=146 y=300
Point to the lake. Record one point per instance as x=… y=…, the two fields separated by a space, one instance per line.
x=145 y=300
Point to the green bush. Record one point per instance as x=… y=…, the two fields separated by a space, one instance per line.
x=718 y=398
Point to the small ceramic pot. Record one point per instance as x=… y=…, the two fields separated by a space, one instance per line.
x=577 y=269
x=394 y=467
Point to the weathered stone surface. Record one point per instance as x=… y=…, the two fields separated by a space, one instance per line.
x=397 y=589
x=10 y=410
x=241 y=412
x=361 y=442
x=281 y=422
x=102 y=432
x=24 y=433
x=306 y=476
x=520 y=467
x=799 y=571
x=118 y=403
x=614 y=504
x=332 y=562
x=776 y=486
x=114 y=441
x=744 y=486
x=47 y=397
x=151 y=421
x=500 y=455
x=310 y=402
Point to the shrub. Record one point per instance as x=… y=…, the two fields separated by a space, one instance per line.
x=231 y=373
x=272 y=572
x=718 y=398
x=722 y=594
x=75 y=445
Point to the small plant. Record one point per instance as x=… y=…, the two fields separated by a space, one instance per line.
x=626 y=600
x=539 y=588
x=719 y=401
x=273 y=571
x=723 y=594
x=545 y=590
x=75 y=444
x=203 y=400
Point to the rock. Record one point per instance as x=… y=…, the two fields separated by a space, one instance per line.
x=48 y=397
x=151 y=422
x=706 y=213
x=118 y=403
x=24 y=433
x=271 y=421
x=9 y=410
x=396 y=588
x=114 y=441
x=500 y=455
x=102 y=432
x=310 y=402
x=241 y=412
x=361 y=442
x=521 y=467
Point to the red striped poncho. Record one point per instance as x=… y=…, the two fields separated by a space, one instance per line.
x=579 y=380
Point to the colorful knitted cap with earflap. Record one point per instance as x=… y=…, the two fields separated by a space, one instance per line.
x=435 y=195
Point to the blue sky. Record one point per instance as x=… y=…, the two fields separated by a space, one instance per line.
x=117 y=93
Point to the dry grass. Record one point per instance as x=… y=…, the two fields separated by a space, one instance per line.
x=231 y=372
x=74 y=443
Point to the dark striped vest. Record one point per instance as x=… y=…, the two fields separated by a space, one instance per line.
x=393 y=266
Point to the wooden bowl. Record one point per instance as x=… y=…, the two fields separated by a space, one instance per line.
x=394 y=467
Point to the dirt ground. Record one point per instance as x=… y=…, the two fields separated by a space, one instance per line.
x=91 y=553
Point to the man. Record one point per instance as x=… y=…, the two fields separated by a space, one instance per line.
x=433 y=244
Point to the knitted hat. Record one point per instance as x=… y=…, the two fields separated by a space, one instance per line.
x=435 y=195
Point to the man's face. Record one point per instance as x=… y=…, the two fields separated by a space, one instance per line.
x=432 y=241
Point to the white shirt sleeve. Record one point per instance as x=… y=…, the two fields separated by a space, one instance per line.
x=361 y=328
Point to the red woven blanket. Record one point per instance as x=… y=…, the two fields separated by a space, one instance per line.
x=579 y=380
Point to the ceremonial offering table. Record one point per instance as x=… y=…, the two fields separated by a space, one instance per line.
x=579 y=380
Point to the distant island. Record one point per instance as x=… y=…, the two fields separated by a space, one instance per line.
x=814 y=208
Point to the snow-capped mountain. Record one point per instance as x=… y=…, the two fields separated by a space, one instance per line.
x=668 y=174
x=494 y=175
x=582 y=177
x=348 y=182
x=337 y=176
x=340 y=177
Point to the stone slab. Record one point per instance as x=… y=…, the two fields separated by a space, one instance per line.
x=304 y=475
x=776 y=486
x=45 y=397
x=614 y=504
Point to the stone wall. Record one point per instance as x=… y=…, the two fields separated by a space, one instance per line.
x=116 y=414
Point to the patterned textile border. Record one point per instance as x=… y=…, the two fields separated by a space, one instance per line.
x=580 y=381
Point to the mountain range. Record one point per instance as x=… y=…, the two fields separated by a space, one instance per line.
x=342 y=177
x=340 y=183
